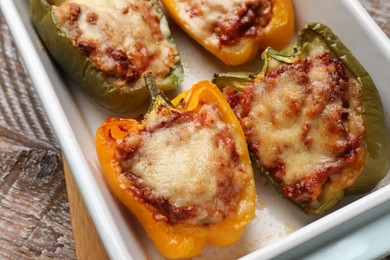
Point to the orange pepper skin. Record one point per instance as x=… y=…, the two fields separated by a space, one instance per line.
x=277 y=34
x=180 y=240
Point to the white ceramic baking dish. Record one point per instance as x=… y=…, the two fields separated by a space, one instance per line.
x=278 y=229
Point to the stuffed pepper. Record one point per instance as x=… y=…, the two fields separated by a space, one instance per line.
x=235 y=30
x=313 y=120
x=184 y=171
x=105 y=46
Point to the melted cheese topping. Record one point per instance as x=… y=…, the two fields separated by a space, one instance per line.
x=304 y=124
x=123 y=38
x=191 y=164
x=223 y=22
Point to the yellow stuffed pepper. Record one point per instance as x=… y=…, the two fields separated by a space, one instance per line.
x=184 y=171
x=235 y=30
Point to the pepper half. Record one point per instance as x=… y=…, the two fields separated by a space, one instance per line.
x=313 y=119
x=235 y=31
x=184 y=173
x=102 y=81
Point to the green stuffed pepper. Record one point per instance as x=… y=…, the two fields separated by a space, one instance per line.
x=313 y=120
x=105 y=46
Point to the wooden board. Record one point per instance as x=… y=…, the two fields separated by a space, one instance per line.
x=86 y=238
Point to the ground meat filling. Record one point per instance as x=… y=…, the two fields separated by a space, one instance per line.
x=303 y=122
x=186 y=165
x=122 y=39
x=246 y=22
x=226 y=22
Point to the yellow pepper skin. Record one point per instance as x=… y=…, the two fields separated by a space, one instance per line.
x=277 y=34
x=176 y=240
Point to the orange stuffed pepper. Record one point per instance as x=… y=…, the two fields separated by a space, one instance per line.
x=184 y=171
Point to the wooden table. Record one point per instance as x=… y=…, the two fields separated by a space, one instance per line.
x=35 y=219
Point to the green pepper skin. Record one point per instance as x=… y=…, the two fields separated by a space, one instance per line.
x=84 y=73
x=376 y=137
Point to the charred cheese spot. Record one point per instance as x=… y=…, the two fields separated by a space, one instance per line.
x=186 y=165
x=225 y=22
x=122 y=38
x=303 y=122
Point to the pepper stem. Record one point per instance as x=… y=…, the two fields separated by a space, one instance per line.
x=155 y=94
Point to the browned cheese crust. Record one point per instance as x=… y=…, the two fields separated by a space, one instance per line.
x=228 y=21
x=303 y=124
x=185 y=165
x=121 y=38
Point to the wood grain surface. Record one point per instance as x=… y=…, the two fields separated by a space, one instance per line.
x=34 y=211
x=35 y=219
